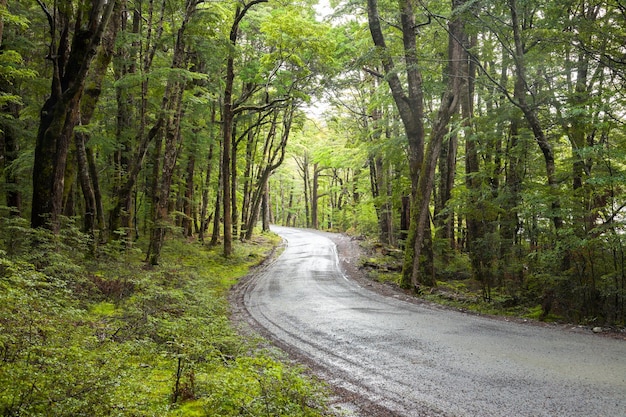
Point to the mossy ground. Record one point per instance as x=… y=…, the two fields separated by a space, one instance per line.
x=86 y=332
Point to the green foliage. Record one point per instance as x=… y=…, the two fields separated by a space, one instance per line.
x=52 y=361
x=258 y=386
x=85 y=335
x=12 y=70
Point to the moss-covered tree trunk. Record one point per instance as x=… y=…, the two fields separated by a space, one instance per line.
x=171 y=113
x=71 y=56
x=410 y=105
x=205 y=218
x=188 y=203
x=87 y=172
x=9 y=149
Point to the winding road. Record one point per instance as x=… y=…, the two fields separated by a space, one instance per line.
x=416 y=360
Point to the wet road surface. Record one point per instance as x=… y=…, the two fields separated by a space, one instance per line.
x=416 y=360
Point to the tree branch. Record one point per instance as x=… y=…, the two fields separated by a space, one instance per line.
x=260 y=108
x=373 y=72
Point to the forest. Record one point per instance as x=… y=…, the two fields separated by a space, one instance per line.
x=479 y=145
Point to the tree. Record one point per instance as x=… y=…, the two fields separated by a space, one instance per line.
x=228 y=112
x=273 y=156
x=13 y=72
x=530 y=110
x=76 y=30
x=87 y=170
x=132 y=104
x=411 y=109
x=170 y=118
x=410 y=105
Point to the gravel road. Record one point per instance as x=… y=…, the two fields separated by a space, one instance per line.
x=408 y=359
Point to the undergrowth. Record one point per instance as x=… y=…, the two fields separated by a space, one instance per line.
x=95 y=332
x=455 y=287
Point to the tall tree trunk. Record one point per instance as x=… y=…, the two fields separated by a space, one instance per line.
x=8 y=154
x=530 y=113
x=234 y=185
x=187 y=223
x=443 y=218
x=130 y=158
x=411 y=109
x=449 y=105
x=476 y=219
x=59 y=114
x=315 y=197
x=94 y=214
x=273 y=157
x=425 y=187
x=303 y=165
x=509 y=222
x=579 y=126
x=93 y=173
x=410 y=106
x=84 y=177
x=124 y=120
x=204 y=218
x=379 y=184
x=381 y=193
x=227 y=119
x=306 y=177
x=265 y=208
x=227 y=137
x=247 y=175
x=215 y=233
x=160 y=220
x=172 y=113
x=479 y=218
x=290 y=217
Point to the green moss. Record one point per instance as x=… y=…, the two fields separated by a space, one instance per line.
x=104 y=308
x=194 y=408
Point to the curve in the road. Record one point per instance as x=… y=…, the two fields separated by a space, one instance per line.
x=420 y=361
